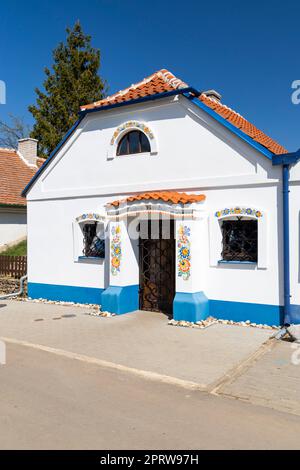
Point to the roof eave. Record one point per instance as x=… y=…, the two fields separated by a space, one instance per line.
x=143 y=99
x=286 y=158
x=13 y=206
x=189 y=92
x=83 y=113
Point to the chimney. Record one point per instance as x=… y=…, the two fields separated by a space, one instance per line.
x=213 y=94
x=28 y=149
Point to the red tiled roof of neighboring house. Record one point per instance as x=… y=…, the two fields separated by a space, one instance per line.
x=40 y=162
x=166 y=196
x=164 y=81
x=15 y=174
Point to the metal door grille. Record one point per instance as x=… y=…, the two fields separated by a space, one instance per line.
x=239 y=240
x=157 y=271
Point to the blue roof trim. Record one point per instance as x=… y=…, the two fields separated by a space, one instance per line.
x=165 y=94
x=189 y=93
x=231 y=127
x=51 y=156
x=179 y=91
x=286 y=158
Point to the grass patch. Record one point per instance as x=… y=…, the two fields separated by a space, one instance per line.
x=17 y=250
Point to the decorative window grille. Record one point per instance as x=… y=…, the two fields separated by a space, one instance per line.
x=133 y=142
x=239 y=240
x=93 y=244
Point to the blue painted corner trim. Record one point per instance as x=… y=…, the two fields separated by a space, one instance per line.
x=242 y=311
x=119 y=300
x=286 y=158
x=82 y=295
x=190 y=307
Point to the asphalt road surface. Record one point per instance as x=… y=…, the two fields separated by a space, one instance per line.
x=52 y=402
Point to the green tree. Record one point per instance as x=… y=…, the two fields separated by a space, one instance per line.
x=72 y=82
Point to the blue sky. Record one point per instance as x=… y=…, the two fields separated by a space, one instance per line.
x=248 y=51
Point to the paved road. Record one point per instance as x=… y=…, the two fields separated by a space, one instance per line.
x=48 y=401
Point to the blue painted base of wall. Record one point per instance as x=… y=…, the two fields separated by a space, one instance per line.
x=120 y=300
x=242 y=311
x=295 y=314
x=82 y=295
x=190 y=307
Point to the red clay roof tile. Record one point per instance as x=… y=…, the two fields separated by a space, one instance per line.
x=164 y=81
x=15 y=174
x=241 y=123
x=167 y=196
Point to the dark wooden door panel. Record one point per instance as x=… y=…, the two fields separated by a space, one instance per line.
x=157 y=272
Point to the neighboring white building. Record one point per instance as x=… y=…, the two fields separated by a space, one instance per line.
x=17 y=167
x=161 y=151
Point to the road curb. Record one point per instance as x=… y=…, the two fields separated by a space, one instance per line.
x=217 y=387
x=148 y=375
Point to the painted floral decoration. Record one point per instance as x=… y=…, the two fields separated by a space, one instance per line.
x=116 y=249
x=128 y=125
x=90 y=216
x=184 y=253
x=239 y=211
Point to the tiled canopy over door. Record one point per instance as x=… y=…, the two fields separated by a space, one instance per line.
x=191 y=248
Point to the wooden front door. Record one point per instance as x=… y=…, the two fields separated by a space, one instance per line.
x=157 y=270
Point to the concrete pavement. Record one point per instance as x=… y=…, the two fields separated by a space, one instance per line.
x=273 y=381
x=140 y=340
x=227 y=360
x=52 y=402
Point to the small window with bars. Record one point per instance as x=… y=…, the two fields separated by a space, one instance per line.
x=239 y=240
x=93 y=240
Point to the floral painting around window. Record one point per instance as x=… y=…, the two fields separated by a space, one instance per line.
x=239 y=211
x=129 y=125
x=184 y=252
x=116 y=249
x=89 y=216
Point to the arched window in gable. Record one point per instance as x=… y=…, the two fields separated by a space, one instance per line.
x=133 y=142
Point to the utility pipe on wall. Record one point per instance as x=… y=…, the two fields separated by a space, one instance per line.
x=286 y=159
x=19 y=292
x=286 y=244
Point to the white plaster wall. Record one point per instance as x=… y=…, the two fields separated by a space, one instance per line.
x=248 y=283
x=50 y=244
x=197 y=281
x=51 y=258
x=129 y=267
x=195 y=153
x=12 y=227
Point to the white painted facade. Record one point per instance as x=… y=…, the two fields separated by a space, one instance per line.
x=13 y=226
x=191 y=152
